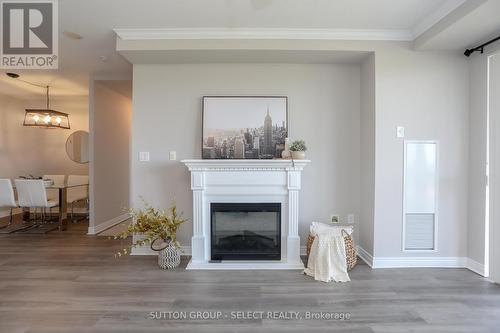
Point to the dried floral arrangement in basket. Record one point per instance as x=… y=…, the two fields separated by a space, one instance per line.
x=154 y=225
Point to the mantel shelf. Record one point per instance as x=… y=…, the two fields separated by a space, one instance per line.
x=255 y=165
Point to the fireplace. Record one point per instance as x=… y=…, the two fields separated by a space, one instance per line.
x=245 y=214
x=245 y=231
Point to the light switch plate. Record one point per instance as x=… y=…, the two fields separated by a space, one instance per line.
x=144 y=156
x=400 y=132
x=172 y=155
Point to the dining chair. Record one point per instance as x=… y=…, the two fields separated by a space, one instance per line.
x=32 y=194
x=7 y=199
x=59 y=180
x=77 y=193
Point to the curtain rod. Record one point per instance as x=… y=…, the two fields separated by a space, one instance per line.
x=480 y=48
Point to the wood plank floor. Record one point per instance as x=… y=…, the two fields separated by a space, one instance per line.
x=70 y=282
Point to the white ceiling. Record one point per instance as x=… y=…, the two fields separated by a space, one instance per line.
x=480 y=25
x=96 y=19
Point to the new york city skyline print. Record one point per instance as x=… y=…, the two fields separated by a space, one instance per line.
x=244 y=127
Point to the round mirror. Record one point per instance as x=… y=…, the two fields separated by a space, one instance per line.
x=77 y=147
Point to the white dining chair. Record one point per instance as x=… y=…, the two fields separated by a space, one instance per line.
x=32 y=194
x=77 y=193
x=7 y=199
x=59 y=180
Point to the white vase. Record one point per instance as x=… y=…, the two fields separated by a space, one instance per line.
x=285 y=154
x=299 y=155
x=169 y=257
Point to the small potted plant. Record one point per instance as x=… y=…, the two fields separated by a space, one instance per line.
x=158 y=229
x=298 y=149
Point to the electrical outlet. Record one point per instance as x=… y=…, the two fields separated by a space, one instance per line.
x=144 y=156
x=334 y=218
x=350 y=218
x=172 y=155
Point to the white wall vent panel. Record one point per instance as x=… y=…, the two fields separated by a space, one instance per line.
x=420 y=196
x=419 y=232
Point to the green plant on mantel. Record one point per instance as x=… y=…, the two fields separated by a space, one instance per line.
x=298 y=145
x=153 y=225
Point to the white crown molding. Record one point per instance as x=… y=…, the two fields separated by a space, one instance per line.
x=427 y=23
x=263 y=33
x=436 y=16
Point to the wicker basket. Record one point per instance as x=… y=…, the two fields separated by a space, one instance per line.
x=350 y=250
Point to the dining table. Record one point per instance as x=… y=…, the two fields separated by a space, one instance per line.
x=63 y=203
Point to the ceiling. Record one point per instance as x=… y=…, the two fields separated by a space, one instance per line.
x=95 y=54
x=470 y=30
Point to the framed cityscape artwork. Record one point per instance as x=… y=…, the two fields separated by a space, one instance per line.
x=244 y=127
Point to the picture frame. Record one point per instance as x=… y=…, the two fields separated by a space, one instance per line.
x=244 y=127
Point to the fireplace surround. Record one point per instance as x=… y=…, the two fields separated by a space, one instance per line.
x=243 y=182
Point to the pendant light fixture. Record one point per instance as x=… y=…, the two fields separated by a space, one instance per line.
x=45 y=118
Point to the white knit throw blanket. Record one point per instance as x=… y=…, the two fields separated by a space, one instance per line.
x=327 y=259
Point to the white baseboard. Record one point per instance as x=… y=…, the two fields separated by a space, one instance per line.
x=377 y=262
x=365 y=256
x=94 y=230
x=408 y=262
x=476 y=267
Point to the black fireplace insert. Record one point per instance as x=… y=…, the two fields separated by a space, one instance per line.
x=245 y=231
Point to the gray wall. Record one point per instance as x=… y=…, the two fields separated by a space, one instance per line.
x=38 y=151
x=428 y=93
x=110 y=162
x=367 y=159
x=324 y=109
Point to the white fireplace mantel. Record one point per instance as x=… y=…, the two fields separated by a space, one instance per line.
x=246 y=181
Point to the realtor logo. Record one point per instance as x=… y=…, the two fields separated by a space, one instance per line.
x=29 y=34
